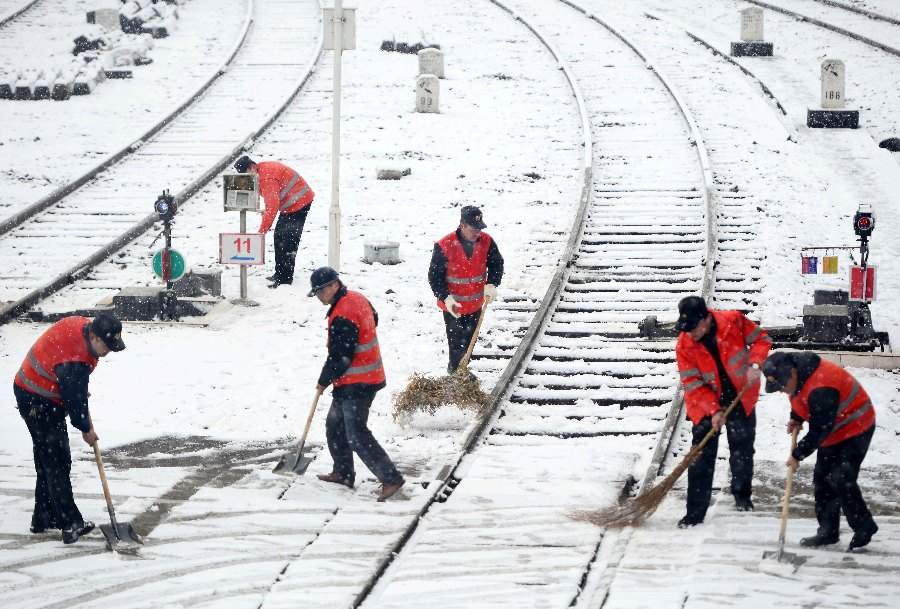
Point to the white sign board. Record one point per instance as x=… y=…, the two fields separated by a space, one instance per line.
x=108 y=18
x=241 y=192
x=242 y=248
x=428 y=91
x=833 y=83
x=348 y=29
x=431 y=61
x=752 y=24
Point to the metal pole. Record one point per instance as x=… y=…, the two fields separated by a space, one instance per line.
x=243 y=266
x=334 y=212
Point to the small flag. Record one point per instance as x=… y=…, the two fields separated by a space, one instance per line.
x=809 y=265
x=830 y=265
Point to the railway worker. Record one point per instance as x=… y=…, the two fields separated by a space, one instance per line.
x=841 y=423
x=719 y=353
x=287 y=195
x=466 y=268
x=354 y=368
x=52 y=383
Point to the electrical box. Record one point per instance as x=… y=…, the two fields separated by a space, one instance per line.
x=348 y=35
x=241 y=192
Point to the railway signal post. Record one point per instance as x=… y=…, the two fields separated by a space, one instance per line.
x=242 y=194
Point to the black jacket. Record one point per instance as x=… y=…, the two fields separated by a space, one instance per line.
x=437 y=270
x=823 y=407
x=343 y=336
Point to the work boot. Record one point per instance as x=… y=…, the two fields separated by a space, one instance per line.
x=271 y=277
x=73 y=534
x=389 y=490
x=743 y=504
x=277 y=283
x=336 y=478
x=689 y=521
x=819 y=539
x=862 y=538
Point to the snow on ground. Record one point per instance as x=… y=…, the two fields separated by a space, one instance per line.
x=46 y=144
x=244 y=383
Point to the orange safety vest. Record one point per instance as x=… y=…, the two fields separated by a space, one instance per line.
x=61 y=343
x=283 y=190
x=856 y=414
x=365 y=367
x=741 y=343
x=466 y=277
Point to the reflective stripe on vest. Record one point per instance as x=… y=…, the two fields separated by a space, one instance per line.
x=295 y=198
x=864 y=409
x=473 y=297
x=363 y=369
x=294 y=179
x=465 y=280
x=366 y=347
x=40 y=369
x=35 y=389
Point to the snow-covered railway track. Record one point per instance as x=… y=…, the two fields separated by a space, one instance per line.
x=582 y=382
x=10 y=9
x=89 y=224
x=873 y=29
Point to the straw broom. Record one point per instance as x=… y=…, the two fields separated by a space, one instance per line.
x=638 y=510
x=460 y=388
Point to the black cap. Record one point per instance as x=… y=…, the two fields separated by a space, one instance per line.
x=321 y=277
x=777 y=370
x=108 y=328
x=691 y=311
x=242 y=165
x=471 y=215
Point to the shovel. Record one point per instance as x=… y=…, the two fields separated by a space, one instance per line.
x=115 y=532
x=295 y=462
x=780 y=555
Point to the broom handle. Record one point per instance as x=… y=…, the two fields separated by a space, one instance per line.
x=464 y=363
x=789 y=483
x=713 y=431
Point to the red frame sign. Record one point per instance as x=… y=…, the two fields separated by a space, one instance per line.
x=856 y=283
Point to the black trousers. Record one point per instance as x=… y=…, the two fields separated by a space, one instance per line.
x=347 y=432
x=835 y=486
x=741 y=430
x=459 y=333
x=288 y=230
x=54 y=505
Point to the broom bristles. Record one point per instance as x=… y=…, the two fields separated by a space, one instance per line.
x=424 y=394
x=638 y=510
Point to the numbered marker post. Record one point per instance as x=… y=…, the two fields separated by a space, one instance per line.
x=428 y=91
x=752 y=43
x=832 y=112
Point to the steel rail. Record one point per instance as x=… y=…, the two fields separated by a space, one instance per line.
x=16 y=12
x=504 y=384
x=828 y=26
x=44 y=203
x=482 y=425
x=859 y=11
x=80 y=269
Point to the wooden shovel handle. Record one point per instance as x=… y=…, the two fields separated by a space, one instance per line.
x=464 y=363
x=99 y=461
x=788 y=485
x=309 y=418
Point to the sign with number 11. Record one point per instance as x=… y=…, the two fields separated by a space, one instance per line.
x=242 y=248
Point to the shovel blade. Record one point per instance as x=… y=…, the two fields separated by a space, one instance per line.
x=787 y=558
x=124 y=533
x=294 y=462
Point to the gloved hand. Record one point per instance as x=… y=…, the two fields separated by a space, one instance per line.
x=490 y=292
x=451 y=305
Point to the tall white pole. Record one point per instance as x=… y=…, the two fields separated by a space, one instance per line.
x=334 y=212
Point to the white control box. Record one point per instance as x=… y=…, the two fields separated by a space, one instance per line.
x=241 y=192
